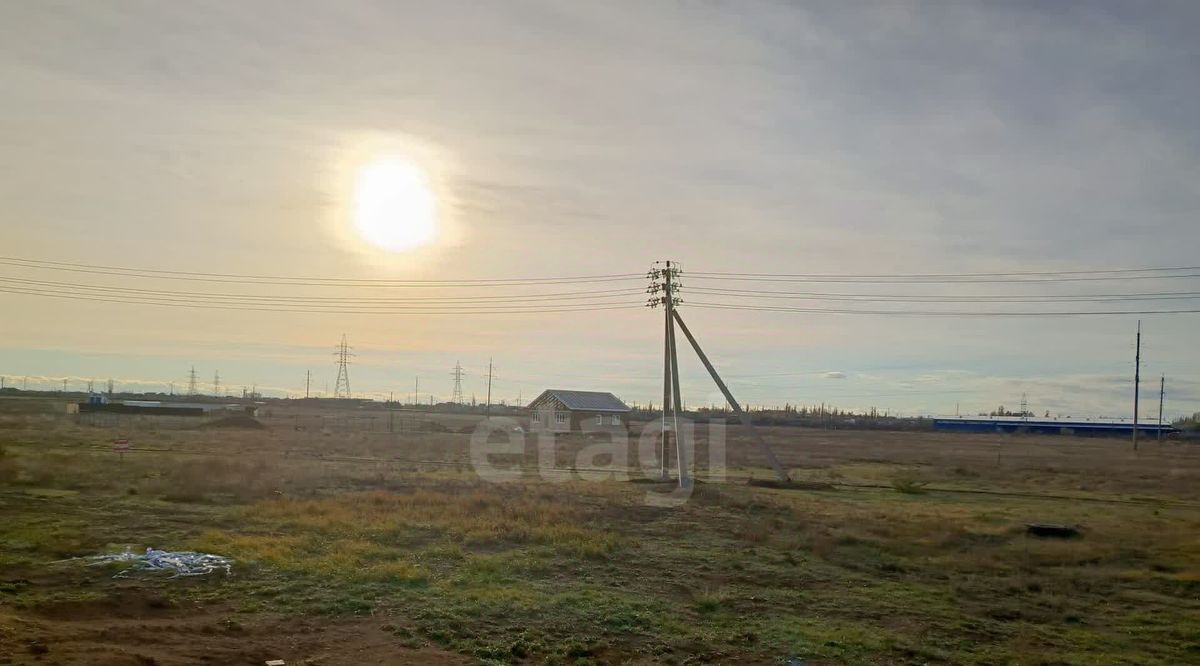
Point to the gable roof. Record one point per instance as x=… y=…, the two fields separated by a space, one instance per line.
x=585 y=401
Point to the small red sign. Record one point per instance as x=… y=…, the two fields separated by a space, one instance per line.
x=120 y=445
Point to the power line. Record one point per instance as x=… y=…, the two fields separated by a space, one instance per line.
x=933 y=313
x=319 y=281
x=1117 y=271
x=552 y=296
x=919 y=298
x=330 y=309
x=921 y=280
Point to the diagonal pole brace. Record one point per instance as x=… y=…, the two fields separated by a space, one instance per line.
x=743 y=416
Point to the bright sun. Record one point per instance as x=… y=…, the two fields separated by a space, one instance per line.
x=394 y=206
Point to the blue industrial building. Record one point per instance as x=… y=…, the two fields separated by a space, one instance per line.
x=1049 y=426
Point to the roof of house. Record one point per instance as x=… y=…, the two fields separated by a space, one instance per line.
x=585 y=401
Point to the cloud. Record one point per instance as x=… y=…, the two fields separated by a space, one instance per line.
x=833 y=374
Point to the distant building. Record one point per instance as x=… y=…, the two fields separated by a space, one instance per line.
x=101 y=404
x=1051 y=426
x=557 y=410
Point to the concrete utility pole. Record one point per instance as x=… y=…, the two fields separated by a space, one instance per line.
x=1137 y=378
x=668 y=369
x=672 y=397
x=1162 y=392
x=488 y=407
x=416 y=391
x=307 y=382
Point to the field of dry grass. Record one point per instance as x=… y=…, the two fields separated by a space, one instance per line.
x=368 y=546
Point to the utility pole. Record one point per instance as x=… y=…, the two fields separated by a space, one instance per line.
x=217 y=383
x=171 y=389
x=669 y=384
x=416 y=390
x=307 y=382
x=456 y=396
x=671 y=394
x=488 y=408
x=1162 y=392
x=110 y=388
x=341 y=388
x=1137 y=378
x=64 y=386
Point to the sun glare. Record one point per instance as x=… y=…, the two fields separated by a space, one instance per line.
x=394 y=206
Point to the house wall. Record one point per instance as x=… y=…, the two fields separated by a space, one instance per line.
x=544 y=417
x=587 y=422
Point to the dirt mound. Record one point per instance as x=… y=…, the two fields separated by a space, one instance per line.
x=236 y=421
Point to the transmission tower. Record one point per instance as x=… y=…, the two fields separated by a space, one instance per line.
x=217 y=383
x=341 y=389
x=456 y=398
x=192 y=381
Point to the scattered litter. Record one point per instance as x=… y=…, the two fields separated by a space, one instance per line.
x=182 y=563
x=1055 y=531
x=276 y=662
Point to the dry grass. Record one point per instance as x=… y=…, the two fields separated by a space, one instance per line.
x=534 y=571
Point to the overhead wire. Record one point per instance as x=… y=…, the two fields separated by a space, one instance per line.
x=933 y=313
x=135 y=291
x=394 y=310
x=238 y=278
x=936 y=298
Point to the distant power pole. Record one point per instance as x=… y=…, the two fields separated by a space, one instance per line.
x=488 y=408
x=91 y=385
x=171 y=386
x=416 y=390
x=217 y=383
x=341 y=388
x=192 y=381
x=1162 y=392
x=1137 y=378
x=110 y=387
x=307 y=381
x=456 y=397
x=64 y=386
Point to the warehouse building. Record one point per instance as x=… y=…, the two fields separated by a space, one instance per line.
x=1050 y=426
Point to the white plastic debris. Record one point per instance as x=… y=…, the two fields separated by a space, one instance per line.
x=182 y=563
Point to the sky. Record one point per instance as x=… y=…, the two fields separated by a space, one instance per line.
x=563 y=139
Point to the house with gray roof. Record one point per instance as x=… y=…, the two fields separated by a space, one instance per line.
x=558 y=410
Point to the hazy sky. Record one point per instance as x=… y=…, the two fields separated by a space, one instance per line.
x=569 y=138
